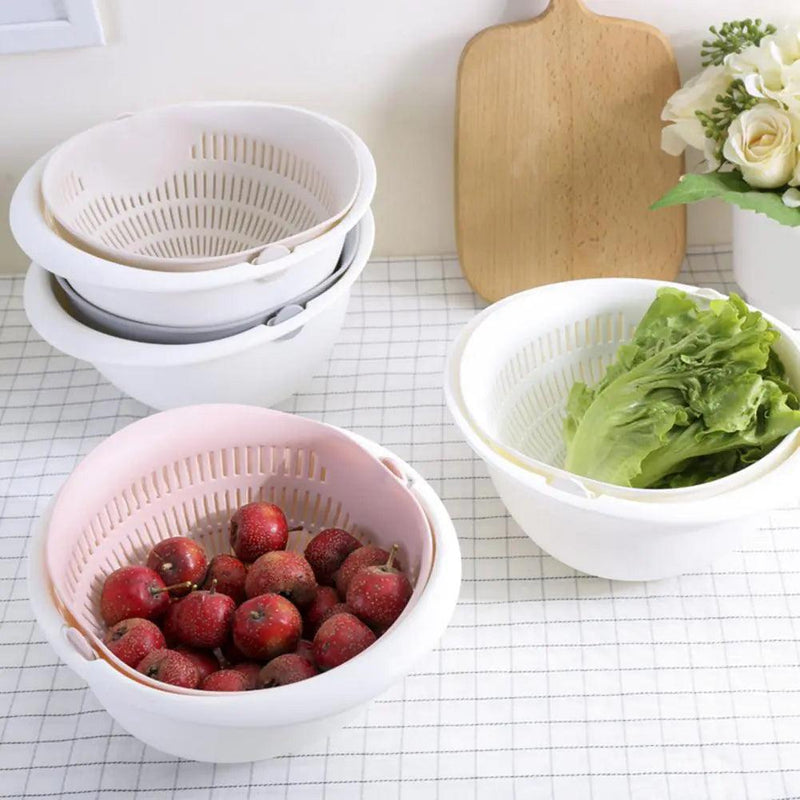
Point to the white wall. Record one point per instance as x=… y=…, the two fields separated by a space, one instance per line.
x=386 y=69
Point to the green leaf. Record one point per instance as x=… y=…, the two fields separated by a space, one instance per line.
x=697 y=393
x=732 y=188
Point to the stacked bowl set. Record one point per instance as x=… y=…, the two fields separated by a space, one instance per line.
x=205 y=254
x=181 y=249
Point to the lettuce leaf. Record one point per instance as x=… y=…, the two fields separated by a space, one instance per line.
x=697 y=394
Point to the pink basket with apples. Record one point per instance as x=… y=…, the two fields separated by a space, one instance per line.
x=185 y=473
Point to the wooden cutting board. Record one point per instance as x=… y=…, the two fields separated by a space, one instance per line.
x=558 y=154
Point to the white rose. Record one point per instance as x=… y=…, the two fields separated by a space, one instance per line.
x=771 y=70
x=787 y=42
x=789 y=93
x=760 y=67
x=761 y=143
x=698 y=94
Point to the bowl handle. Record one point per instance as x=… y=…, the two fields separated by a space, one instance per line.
x=77 y=652
x=272 y=252
x=397 y=471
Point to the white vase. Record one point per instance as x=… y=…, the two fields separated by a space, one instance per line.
x=766 y=264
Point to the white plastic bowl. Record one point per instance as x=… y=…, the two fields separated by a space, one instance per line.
x=210 y=297
x=611 y=536
x=239 y=727
x=262 y=366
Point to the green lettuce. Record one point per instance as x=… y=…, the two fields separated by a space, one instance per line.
x=697 y=394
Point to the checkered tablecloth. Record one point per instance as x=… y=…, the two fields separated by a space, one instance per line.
x=548 y=683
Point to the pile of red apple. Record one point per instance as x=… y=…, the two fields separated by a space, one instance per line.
x=263 y=617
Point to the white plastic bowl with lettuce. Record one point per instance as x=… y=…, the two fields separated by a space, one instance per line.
x=634 y=429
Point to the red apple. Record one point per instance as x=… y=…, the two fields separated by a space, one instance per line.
x=131 y=592
x=169 y=623
x=230 y=574
x=306 y=650
x=132 y=639
x=203 y=619
x=205 y=662
x=178 y=560
x=326 y=552
x=288 y=668
x=266 y=626
x=325 y=598
x=169 y=666
x=339 y=639
x=379 y=594
x=258 y=528
x=285 y=573
x=339 y=608
x=367 y=556
x=250 y=670
x=224 y=680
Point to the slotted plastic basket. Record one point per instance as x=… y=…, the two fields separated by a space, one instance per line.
x=131 y=492
x=202 y=185
x=523 y=356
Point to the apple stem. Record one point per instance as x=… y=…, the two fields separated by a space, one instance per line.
x=183 y=585
x=392 y=554
x=213 y=589
x=295 y=529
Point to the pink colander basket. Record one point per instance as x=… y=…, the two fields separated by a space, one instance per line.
x=184 y=472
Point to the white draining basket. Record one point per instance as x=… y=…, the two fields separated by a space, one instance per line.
x=523 y=356
x=207 y=297
x=202 y=185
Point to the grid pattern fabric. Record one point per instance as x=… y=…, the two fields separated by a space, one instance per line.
x=548 y=683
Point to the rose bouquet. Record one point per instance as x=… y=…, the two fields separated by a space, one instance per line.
x=743 y=112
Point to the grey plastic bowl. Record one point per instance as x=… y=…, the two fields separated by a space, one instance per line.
x=123 y=328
